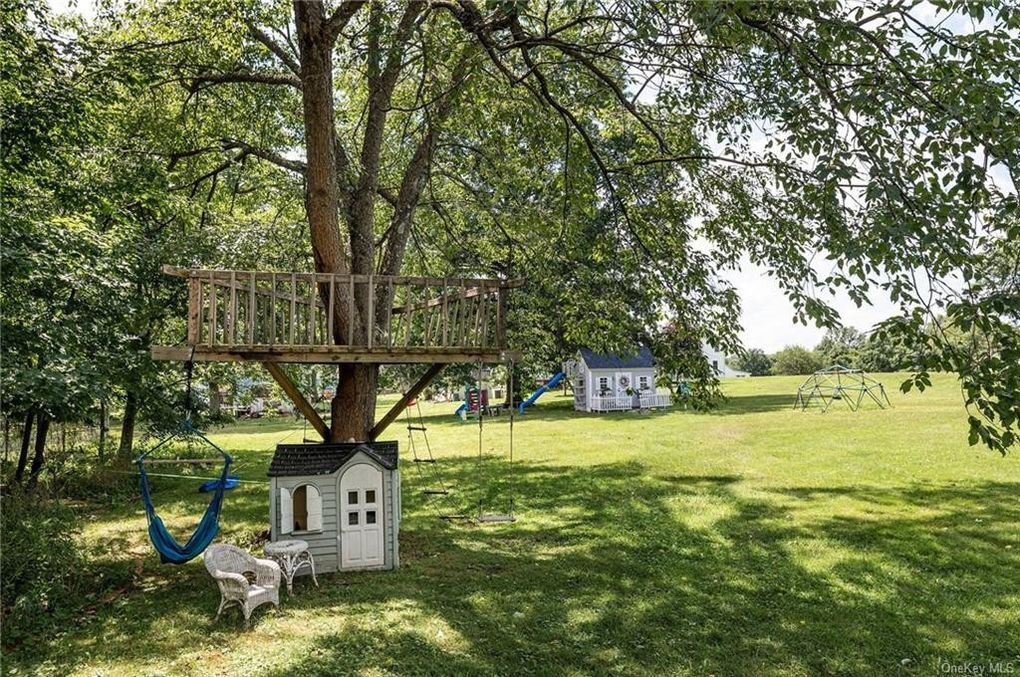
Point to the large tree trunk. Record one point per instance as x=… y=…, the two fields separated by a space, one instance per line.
x=353 y=406
x=215 y=401
x=315 y=43
x=40 y=449
x=26 y=441
x=127 y=426
x=104 y=428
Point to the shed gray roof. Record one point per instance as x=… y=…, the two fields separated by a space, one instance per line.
x=324 y=459
x=643 y=359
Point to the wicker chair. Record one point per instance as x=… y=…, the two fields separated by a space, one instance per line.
x=228 y=564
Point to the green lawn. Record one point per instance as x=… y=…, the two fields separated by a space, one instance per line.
x=751 y=540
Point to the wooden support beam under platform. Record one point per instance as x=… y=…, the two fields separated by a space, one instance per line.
x=306 y=409
x=402 y=403
x=333 y=354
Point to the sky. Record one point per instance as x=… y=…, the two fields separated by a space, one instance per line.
x=766 y=314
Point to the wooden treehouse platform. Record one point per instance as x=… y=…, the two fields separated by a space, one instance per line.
x=236 y=315
x=317 y=318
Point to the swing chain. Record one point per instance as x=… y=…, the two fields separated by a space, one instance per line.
x=189 y=370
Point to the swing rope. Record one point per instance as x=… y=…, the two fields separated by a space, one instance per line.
x=436 y=490
x=513 y=410
x=509 y=516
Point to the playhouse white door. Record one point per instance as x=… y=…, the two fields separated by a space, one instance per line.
x=361 y=517
x=623 y=383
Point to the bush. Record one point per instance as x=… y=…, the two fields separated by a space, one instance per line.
x=840 y=346
x=755 y=362
x=45 y=574
x=882 y=351
x=793 y=360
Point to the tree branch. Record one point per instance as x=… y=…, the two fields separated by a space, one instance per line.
x=269 y=156
x=288 y=59
x=246 y=77
x=342 y=16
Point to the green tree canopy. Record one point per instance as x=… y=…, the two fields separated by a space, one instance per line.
x=623 y=156
x=841 y=345
x=793 y=360
x=754 y=361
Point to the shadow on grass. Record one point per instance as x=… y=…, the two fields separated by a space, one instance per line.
x=754 y=404
x=612 y=568
x=560 y=409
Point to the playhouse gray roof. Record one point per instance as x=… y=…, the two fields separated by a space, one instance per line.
x=643 y=359
x=324 y=459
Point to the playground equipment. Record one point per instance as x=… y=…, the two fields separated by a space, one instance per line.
x=840 y=383
x=275 y=317
x=169 y=549
x=476 y=401
x=551 y=383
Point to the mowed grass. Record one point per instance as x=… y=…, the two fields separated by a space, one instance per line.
x=751 y=540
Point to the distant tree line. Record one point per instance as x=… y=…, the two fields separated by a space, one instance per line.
x=876 y=351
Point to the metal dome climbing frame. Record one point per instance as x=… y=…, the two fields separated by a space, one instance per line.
x=839 y=383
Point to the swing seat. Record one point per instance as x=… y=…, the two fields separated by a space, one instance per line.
x=169 y=549
x=212 y=485
x=496 y=518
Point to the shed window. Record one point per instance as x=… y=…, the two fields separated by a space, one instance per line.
x=370 y=496
x=643 y=382
x=300 y=509
x=370 y=517
x=300 y=498
x=603 y=383
x=352 y=497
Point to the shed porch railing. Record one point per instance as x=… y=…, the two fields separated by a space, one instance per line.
x=656 y=400
x=612 y=402
x=626 y=402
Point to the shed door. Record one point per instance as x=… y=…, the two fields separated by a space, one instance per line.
x=624 y=381
x=361 y=517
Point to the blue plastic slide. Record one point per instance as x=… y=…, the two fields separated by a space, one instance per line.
x=553 y=382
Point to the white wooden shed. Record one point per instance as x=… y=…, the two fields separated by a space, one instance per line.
x=343 y=499
x=606 y=382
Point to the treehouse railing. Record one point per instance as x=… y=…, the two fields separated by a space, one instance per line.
x=236 y=311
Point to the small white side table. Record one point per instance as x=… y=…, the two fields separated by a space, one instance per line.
x=291 y=554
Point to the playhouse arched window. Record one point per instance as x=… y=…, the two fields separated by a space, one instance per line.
x=300 y=509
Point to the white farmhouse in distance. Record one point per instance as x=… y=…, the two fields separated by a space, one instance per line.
x=718 y=362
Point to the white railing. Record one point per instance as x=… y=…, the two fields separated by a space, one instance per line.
x=612 y=403
x=626 y=402
x=656 y=400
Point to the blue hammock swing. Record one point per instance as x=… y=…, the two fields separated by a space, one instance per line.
x=170 y=551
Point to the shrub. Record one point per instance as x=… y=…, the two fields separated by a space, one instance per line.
x=840 y=346
x=755 y=362
x=45 y=574
x=793 y=360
